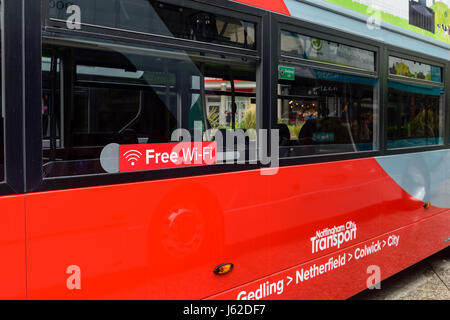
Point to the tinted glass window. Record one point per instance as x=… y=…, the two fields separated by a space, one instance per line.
x=155 y=17
x=320 y=50
x=415 y=115
x=415 y=70
x=323 y=112
x=96 y=93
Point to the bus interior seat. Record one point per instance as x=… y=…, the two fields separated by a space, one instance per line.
x=305 y=137
x=333 y=125
x=285 y=134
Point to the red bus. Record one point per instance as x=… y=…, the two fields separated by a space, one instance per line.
x=350 y=187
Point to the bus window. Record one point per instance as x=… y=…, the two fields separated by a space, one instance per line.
x=415 y=115
x=156 y=17
x=96 y=93
x=320 y=109
x=230 y=104
x=315 y=49
x=414 y=70
x=415 y=104
x=323 y=112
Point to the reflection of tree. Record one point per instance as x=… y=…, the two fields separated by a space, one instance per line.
x=213 y=118
x=249 y=119
x=424 y=124
x=402 y=69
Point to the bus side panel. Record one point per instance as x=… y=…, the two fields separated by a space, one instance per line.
x=346 y=272
x=410 y=180
x=158 y=240
x=319 y=209
x=310 y=200
x=12 y=248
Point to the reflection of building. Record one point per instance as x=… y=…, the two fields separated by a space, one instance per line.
x=421 y=16
x=221 y=104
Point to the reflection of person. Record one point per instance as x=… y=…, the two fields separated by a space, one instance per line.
x=365 y=133
x=228 y=118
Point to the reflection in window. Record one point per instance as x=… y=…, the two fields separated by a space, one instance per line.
x=134 y=95
x=220 y=101
x=415 y=116
x=416 y=70
x=325 y=112
x=310 y=48
x=151 y=16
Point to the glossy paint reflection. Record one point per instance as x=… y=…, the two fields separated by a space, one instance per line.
x=163 y=239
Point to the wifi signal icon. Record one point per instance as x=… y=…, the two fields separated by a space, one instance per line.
x=132 y=156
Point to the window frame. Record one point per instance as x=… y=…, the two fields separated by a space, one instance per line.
x=37 y=183
x=398 y=52
x=14 y=82
x=289 y=24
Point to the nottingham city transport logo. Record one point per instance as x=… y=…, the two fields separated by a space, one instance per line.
x=333 y=237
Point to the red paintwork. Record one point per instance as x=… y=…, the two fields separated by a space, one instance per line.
x=343 y=282
x=12 y=248
x=163 y=239
x=272 y=5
